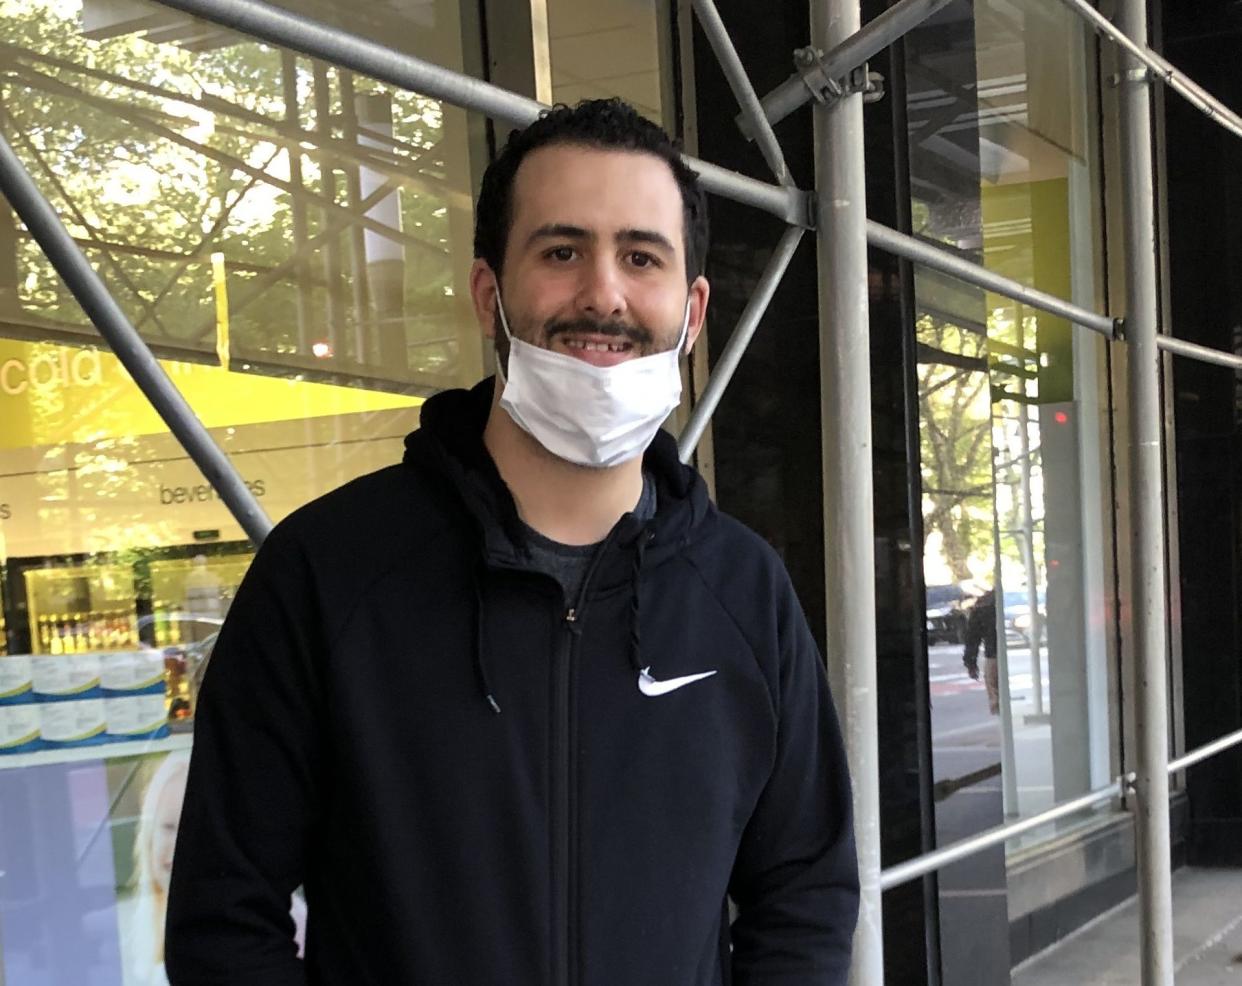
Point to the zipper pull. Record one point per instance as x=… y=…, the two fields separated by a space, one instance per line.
x=571 y=620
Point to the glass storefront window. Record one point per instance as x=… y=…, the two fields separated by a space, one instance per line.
x=246 y=206
x=1004 y=173
x=1015 y=460
x=293 y=240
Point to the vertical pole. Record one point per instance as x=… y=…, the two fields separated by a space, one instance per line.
x=333 y=270
x=845 y=401
x=1151 y=786
x=1028 y=548
x=301 y=282
x=353 y=198
x=1009 y=761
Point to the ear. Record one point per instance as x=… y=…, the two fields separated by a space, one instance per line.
x=699 y=291
x=483 y=283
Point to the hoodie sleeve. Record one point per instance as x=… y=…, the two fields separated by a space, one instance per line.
x=795 y=881
x=249 y=802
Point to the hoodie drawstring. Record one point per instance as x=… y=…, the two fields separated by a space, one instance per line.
x=480 y=661
x=636 y=641
x=635 y=648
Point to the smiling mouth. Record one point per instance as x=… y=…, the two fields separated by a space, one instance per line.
x=589 y=346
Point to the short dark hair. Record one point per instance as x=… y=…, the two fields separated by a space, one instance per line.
x=600 y=123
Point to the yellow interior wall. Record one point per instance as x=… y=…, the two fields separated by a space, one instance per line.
x=56 y=395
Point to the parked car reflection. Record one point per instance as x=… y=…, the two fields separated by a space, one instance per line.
x=945 y=614
x=1018 y=617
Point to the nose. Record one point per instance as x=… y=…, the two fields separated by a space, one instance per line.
x=601 y=292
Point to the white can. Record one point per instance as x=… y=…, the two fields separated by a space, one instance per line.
x=136 y=716
x=16 y=679
x=19 y=728
x=72 y=723
x=132 y=672
x=71 y=676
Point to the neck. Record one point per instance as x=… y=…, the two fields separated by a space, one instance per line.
x=565 y=502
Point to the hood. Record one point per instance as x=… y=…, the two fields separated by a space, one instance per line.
x=449 y=442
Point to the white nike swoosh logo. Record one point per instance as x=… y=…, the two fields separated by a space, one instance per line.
x=650 y=687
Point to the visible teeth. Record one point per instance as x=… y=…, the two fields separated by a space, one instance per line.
x=597 y=347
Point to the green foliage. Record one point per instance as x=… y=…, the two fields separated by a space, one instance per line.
x=956 y=447
x=156 y=157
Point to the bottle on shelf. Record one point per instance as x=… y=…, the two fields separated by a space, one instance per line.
x=81 y=643
x=159 y=622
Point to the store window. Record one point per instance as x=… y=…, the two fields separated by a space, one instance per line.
x=293 y=241
x=610 y=48
x=1014 y=414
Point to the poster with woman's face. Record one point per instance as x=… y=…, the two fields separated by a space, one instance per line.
x=147 y=809
x=147 y=796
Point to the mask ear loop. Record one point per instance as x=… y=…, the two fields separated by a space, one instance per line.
x=685 y=330
x=504 y=324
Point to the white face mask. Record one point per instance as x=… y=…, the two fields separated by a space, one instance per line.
x=590 y=415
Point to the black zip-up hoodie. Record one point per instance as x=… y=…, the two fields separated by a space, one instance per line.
x=460 y=765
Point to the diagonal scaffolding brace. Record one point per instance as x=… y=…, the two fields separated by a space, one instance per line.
x=739 y=82
x=1160 y=67
x=838 y=63
x=130 y=348
x=318 y=40
x=727 y=363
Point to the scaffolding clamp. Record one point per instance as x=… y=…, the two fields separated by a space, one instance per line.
x=809 y=63
x=1135 y=75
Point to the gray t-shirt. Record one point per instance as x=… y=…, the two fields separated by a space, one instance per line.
x=568 y=563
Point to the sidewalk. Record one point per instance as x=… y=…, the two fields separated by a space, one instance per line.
x=1207 y=939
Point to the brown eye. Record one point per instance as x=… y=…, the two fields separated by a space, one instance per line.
x=640 y=259
x=562 y=253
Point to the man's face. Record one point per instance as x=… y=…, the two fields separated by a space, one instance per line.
x=595 y=263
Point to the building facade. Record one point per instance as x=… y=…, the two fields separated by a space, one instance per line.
x=293 y=239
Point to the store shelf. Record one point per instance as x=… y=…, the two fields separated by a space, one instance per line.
x=105 y=751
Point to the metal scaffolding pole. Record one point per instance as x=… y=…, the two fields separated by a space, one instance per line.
x=937 y=258
x=725 y=366
x=937 y=859
x=289 y=30
x=1204 y=354
x=1183 y=85
x=850 y=53
x=130 y=348
x=1206 y=752
x=845 y=401
x=1151 y=726
x=739 y=82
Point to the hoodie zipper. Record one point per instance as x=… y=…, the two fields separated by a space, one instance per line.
x=564 y=919
x=564 y=836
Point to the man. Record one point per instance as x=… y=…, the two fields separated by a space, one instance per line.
x=525 y=708
x=981 y=629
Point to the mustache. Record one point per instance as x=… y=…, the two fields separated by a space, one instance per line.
x=635 y=334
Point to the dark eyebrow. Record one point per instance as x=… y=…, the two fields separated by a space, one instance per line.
x=646 y=236
x=559 y=231
x=570 y=232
